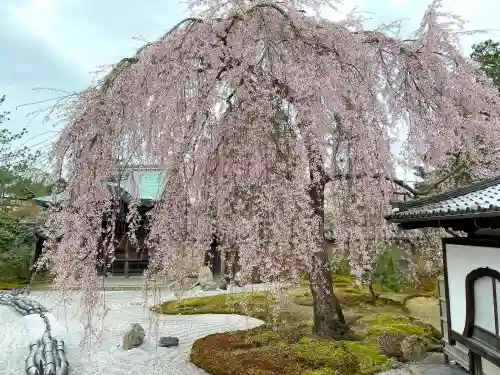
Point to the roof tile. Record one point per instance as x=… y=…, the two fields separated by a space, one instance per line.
x=478 y=198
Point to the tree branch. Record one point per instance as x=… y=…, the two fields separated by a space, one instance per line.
x=413 y=193
x=375 y=176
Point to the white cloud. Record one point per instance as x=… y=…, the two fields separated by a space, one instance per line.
x=480 y=14
x=45 y=19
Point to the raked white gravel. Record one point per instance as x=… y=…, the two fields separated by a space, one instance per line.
x=106 y=356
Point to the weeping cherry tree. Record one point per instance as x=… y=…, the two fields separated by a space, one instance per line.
x=253 y=109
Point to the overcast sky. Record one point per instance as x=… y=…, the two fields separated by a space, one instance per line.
x=58 y=43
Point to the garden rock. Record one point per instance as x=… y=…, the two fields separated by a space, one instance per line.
x=405 y=348
x=390 y=344
x=188 y=284
x=134 y=337
x=211 y=285
x=168 y=342
x=223 y=284
x=413 y=348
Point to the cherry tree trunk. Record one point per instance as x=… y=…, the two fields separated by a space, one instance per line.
x=329 y=320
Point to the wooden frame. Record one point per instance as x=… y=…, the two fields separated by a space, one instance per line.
x=478 y=348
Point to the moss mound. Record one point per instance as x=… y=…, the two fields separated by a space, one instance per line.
x=426 y=288
x=348 y=296
x=378 y=324
x=12 y=284
x=256 y=305
x=263 y=351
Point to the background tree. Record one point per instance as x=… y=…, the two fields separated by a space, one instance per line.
x=20 y=181
x=487 y=54
x=200 y=103
x=19 y=176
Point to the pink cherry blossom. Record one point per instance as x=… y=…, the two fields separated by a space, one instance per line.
x=253 y=109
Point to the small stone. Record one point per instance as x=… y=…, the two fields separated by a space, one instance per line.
x=397 y=364
x=167 y=342
x=134 y=337
x=223 y=284
x=211 y=285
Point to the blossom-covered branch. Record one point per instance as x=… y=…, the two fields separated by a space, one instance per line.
x=241 y=109
x=409 y=190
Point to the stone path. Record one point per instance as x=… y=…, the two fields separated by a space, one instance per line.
x=441 y=370
x=107 y=357
x=433 y=365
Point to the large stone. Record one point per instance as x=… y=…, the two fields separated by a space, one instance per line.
x=404 y=348
x=168 y=341
x=205 y=275
x=390 y=344
x=188 y=284
x=413 y=348
x=134 y=337
x=211 y=285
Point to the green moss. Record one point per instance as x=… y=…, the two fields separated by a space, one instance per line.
x=329 y=354
x=385 y=319
x=323 y=371
x=349 y=297
x=378 y=324
x=289 y=349
x=427 y=287
x=11 y=284
x=369 y=356
x=266 y=352
x=342 y=281
x=395 y=328
x=257 y=305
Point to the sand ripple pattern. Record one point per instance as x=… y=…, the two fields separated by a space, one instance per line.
x=107 y=357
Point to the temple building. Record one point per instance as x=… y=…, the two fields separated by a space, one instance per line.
x=470 y=315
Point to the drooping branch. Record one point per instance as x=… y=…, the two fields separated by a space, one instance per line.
x=413 y=193
x=169 y=103
x=321 y=48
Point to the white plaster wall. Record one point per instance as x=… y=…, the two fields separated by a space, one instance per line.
x=489 y=368
x=461 y=260
x=485 y=313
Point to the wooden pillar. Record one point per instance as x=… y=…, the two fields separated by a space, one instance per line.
x=126 y=257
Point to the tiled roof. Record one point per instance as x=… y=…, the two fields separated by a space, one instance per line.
x=479 y=199
x=147 y=185
x=45 y=200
